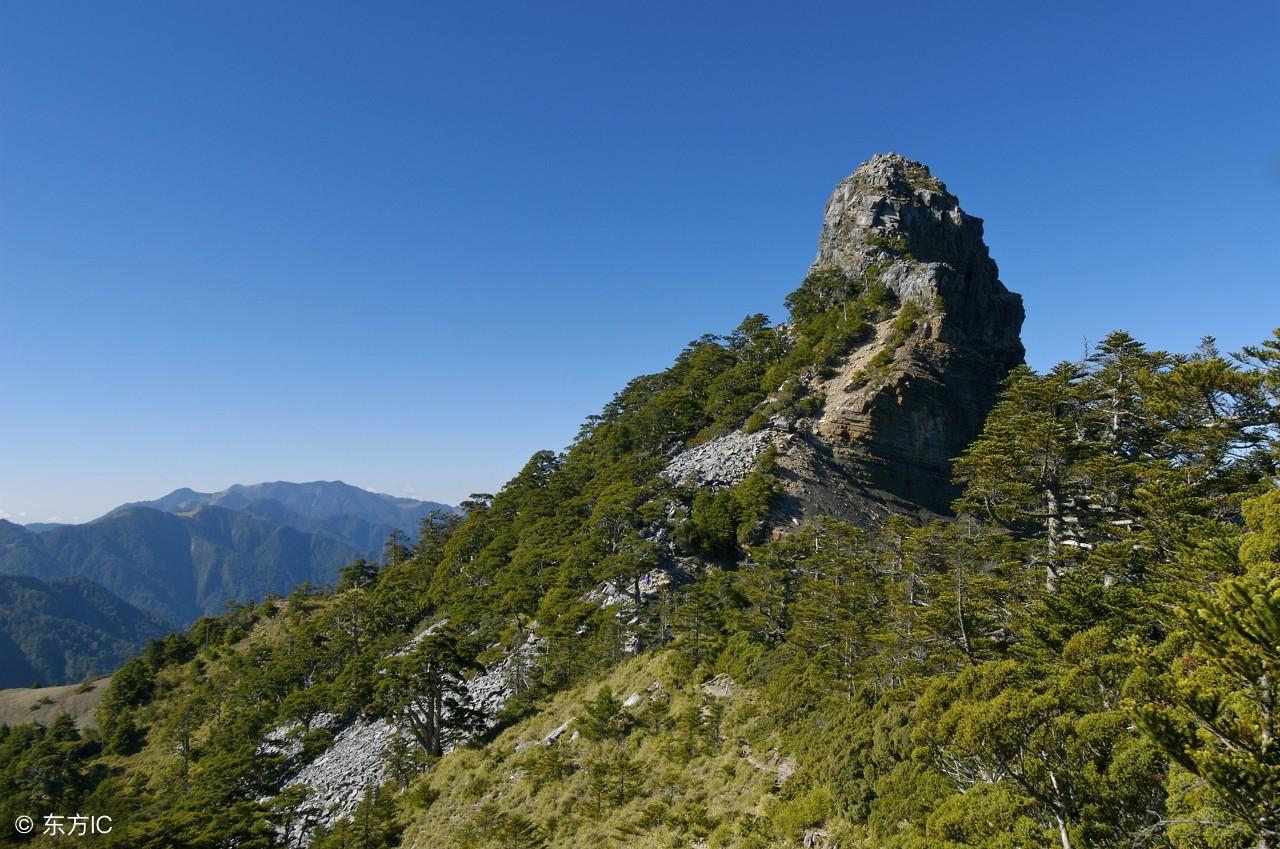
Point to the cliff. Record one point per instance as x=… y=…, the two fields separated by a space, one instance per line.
x=888 y=417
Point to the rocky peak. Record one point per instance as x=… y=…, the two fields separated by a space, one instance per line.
x=892 y=217
x=878 y=429
x=902 y=405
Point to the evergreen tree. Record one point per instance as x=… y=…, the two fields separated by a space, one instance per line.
x=425 y=690
x=1022 y=470
x=360 y=573
x=1216 y=710
x=602 y=718
x=374 y=825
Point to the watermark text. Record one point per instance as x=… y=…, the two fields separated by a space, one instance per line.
x=64 y=825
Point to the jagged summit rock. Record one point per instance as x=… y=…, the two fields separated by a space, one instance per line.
x=893 y=210
x=902 y=404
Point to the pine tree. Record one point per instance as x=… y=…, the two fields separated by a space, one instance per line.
x=1022 y=470
x=373 y=825
x=602 y=718
x=1265 y=359
x=1216 y=711
x=425 y=689
x=361 y=573
x=839 y=602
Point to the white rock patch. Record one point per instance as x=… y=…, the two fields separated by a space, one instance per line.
x=354 y=762
x=722 y=462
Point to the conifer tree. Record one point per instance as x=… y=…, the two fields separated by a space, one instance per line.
x=1216 y=711
x=425 y=689
x=1022 y=470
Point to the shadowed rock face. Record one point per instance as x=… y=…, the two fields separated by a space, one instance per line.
x=884 y=443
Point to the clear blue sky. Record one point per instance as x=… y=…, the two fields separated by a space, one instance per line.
x=407 y=244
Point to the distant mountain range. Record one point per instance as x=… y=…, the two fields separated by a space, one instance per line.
x=178 y=567
x=330 y=507
x=180 y=557
x=355 y=516
x=66 y=629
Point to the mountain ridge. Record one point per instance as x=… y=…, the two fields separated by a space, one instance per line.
x=313 y=500
x=735 y=613
x=179 y=567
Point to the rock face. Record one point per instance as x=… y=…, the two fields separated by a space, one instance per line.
x=894 y=209
x=901 y=407
x=339 y=777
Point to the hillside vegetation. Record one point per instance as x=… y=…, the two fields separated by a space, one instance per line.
x=739 y=611
x=1083 y=659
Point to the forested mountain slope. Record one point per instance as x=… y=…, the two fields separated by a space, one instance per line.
x=66 y=630
x=177 y=567
x=733 y=613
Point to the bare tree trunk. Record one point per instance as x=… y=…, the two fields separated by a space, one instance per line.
x=1053 y=530
x=1057 y=812
x=1062 y=832
x=964 y=630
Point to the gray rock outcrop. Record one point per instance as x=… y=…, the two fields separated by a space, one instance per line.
x=901 y=407
x=893 y=210
x=718 y=463
x=339 y=777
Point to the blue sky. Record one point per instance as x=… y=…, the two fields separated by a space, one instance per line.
x=407 y=244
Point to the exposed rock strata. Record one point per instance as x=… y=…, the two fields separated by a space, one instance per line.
x=887 y=432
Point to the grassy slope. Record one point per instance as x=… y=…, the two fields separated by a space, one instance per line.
x=45 y=704
x=685 y=779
